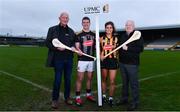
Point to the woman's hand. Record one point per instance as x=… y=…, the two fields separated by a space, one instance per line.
x=102 y=57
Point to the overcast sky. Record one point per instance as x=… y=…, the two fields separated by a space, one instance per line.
x=34 y=17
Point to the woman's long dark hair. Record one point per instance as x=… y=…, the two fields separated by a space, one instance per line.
x=112 y=24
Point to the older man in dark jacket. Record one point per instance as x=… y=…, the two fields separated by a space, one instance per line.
x=60 y=58
x=129 y=56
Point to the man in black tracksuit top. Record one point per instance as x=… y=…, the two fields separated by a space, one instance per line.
x=85 y=43
x=129 y=56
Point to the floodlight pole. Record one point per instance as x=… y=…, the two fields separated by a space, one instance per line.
x=98 y=62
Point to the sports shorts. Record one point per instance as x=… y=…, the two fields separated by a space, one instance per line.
x=84 y=66
x=109 y=63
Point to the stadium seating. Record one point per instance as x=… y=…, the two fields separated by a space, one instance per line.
x=163 y=43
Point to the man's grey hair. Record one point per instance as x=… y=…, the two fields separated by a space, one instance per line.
x=64 y=13
x=130 y=21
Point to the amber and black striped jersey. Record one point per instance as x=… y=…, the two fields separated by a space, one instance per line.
x=87 y=44
x=109 y=44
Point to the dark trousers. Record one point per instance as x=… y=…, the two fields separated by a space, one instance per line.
x=129 y=74
x=60 y=67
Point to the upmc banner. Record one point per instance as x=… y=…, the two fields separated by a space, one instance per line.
x=96 y=9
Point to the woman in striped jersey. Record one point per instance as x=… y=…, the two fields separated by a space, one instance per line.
x=109 y=65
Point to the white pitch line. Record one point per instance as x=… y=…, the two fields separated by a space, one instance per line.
x=159 y=75
x=61 y=94
x=30 y=82
x=143 y=79
x=26 y=81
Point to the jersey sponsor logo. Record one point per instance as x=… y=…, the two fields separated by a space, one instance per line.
x=88 y=43
x=108 y=47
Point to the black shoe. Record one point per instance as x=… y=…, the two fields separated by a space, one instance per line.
x=132 y=107
x=111 y=103
x=104 y=100
x=121 y=102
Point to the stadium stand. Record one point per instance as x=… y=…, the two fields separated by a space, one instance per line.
x=155 y=38
x=176 y=46
x=163 y=43
x=26 y=41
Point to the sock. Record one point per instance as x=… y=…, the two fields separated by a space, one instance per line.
x=104 y=95
x=110 y=98
x=88 y=92
x=77 y=94
x=77 y=97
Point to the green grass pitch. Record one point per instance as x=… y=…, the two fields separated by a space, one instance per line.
x=159 y=81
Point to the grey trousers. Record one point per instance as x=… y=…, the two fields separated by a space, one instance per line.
x=129 y=74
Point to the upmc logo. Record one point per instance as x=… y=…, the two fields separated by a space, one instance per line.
x=91 y=10
x=96 y=9
x=88 y=43
x=108 y=47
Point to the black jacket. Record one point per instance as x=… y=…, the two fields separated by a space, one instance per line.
x=66 y=36
x=132 y=55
